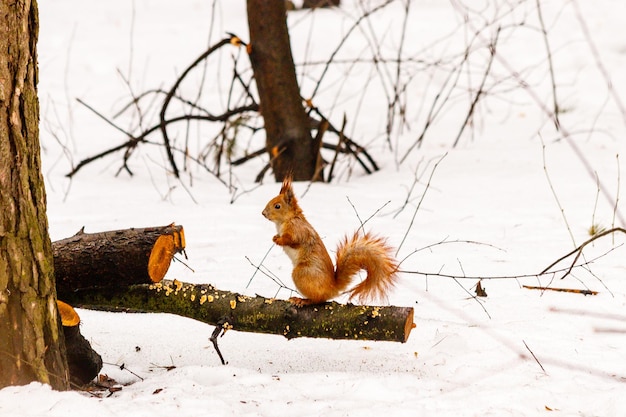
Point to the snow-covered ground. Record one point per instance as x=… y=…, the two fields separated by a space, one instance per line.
x=492 y=198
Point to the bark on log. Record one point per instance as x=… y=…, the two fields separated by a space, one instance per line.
x=205 y=303
x=115 y=258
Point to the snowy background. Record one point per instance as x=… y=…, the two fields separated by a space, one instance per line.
x=492 y=197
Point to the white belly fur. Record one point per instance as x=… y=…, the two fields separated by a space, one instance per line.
x=291 y=252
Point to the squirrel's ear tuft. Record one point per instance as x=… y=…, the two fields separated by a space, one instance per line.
x=286 y=184
x=286 y=189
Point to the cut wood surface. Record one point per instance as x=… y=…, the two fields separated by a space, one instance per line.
x=69 y=316
x=205 y=303
x=115 y=258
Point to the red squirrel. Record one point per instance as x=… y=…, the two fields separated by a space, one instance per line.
x=313 y=273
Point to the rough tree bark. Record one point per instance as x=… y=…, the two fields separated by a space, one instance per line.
x=288 y=136
x=31 y=342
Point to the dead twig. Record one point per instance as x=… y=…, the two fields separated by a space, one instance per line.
x=355 y=25
x=170 y=95
x=555 y=103
x=552 y=189
x=553 y=272
x=222 y=327
x=570 y=290
x=481 y=88
x=577 y=252
x=142 y=138
x=342 y=137
x=535 y=358
x=419 y=204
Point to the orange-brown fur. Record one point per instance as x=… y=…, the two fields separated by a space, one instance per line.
x=313 y=273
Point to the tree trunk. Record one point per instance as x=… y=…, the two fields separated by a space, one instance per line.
x=288 y=136
x=312 y=4
x=115 y=258
x=205 y=303
x=31 y=342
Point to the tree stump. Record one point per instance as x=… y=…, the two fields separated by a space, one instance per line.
x=84 y=363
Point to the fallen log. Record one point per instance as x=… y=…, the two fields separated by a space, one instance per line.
x=122 y=271
x=258 y=314
x=115 y=258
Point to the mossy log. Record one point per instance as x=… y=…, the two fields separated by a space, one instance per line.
x=207 y=304
x=115 y=258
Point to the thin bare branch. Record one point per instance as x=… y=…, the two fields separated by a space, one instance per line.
x=481 y=88
x=170 y=95
x=577 y=252
x=535 y=358
x=419 y=204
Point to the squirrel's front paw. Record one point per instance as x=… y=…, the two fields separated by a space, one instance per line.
x=276 y=239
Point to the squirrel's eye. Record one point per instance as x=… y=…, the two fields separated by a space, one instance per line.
x=277 y=206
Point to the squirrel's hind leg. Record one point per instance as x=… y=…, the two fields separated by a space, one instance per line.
x=301 y=302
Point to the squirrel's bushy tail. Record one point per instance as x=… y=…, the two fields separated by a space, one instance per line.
x=374 y=256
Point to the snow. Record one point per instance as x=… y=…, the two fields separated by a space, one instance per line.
x=516 y=352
